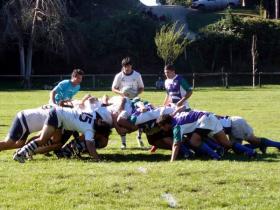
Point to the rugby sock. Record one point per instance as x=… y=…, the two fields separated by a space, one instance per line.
x=212 y=144
x=251 y=146
x=123 y=140
x=239 y=148
x=269 y=143
x=139 y=134
x=207 y=150
x=185 y=151
x=28 y=149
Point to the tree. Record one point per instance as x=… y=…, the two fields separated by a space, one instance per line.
x=27 y=21
x=170 y=42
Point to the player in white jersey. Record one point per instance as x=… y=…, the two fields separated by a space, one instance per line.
x=69 y=119
x=26 y=122
x=238 y=129
x=132 y=80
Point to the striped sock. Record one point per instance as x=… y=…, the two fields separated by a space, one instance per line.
x=28 y=149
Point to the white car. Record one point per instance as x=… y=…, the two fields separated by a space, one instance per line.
x=214 y=4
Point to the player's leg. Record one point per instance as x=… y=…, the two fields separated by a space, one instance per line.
x=139 y=138
x=196 y=141
x=16 y=137
x=28 y=149
x=47 y=132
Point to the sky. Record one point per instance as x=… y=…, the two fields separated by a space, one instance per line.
x=150 y=2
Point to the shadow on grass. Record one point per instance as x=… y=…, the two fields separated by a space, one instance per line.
x=132 y=157
x=271 y=157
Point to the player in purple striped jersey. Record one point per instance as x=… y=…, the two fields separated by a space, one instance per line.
x=198 y=124
x=177 y=88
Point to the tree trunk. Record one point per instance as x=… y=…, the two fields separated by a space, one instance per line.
x=30 y=48
x=21 y=58
x=243 y=3
x=276 y=9
x=254 y=53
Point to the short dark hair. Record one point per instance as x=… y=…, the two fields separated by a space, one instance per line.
x=164 y=119
x=126 y=61
x=169 y=67
x=77 y=72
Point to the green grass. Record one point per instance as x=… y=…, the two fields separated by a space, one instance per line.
x=198 y=19
x=118 y=181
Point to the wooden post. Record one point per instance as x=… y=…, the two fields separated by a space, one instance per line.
x=226 y=79
x=193 y=80
x=260 y=85
x=93 y=82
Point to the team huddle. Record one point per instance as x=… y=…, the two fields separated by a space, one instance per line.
x=174 y=125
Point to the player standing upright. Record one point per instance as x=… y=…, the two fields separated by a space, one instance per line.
x=177 y=88
x=128 y=78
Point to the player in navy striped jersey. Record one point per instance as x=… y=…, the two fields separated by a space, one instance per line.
x=26 y=122
x=69 y=119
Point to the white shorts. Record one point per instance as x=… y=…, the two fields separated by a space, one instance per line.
x=240 y=129
x=210 y=122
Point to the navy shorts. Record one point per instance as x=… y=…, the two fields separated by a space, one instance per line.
x=18 y=131
x=52 y=119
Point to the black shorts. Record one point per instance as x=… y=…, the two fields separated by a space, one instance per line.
x=19 y=129
x=52 y=119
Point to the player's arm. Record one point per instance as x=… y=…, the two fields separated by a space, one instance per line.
x=115 y=86
x=175 y=151
x=82 y=102
x=166 y=100
x=52 y=97
x=140 y=85
x=90 y=143
x=185 y=85
x=92 y=149
x=176 y=143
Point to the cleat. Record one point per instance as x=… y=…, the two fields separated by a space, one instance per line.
x=188 y=155
x=220 y=151
x=19 y=158
x=263 y=149
x=217 y=158
x=123 y=146
x=252 y=154
x=153 y=149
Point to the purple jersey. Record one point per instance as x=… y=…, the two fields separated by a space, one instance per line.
x=176 y=88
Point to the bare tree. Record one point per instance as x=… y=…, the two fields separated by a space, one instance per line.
x=254 y=53
x=27 y=19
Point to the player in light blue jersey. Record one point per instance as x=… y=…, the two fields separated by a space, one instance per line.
x=177 y=88
x=66 y=89
x=198 y=124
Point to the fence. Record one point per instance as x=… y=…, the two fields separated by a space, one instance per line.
x=104 y=81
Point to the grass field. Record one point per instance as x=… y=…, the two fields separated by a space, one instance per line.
x=136 y=179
